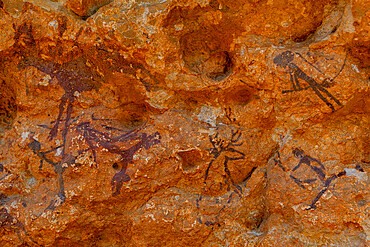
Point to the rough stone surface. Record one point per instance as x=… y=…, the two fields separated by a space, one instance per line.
x=85 y=8
x=184 y=123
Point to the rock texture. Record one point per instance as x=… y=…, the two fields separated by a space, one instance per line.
x=184 y=123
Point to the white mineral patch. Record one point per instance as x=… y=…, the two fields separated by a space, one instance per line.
x=355 y=68
x=209 y=115
x=24 y=136
x=59 y=152
x=151 y=216
x=203 y=3
x=45 y=81
x=362 y=176
x=53 y=24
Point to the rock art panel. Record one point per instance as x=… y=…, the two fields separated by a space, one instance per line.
x=184 y=123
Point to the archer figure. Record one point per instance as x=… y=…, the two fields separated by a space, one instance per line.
x=318 y=169
x=285 y=60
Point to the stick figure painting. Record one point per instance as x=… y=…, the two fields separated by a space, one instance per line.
x=319 y=174
x=286 y=60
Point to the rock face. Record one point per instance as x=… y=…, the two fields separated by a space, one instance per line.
x=184 y=123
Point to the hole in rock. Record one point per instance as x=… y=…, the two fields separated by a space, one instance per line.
x=133 y=115
x=238 y=95
x=203 y=54
x=115 y=166
x=190 y=158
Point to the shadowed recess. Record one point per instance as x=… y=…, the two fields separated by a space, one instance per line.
x=190 y=158
x=203 y=54
x=86 y=8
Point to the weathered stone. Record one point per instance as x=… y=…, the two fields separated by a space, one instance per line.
x=85 y=8
x=184 y=123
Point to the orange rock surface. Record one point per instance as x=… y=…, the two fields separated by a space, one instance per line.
x=184 y=123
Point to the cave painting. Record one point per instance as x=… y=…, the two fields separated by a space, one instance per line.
x=285 y=60
x=96 y=138
x=308 y=162
x=59 y=168
x=226 y=147
x=221 y=146
x=75 y=77
x=227 y=150
x=317 y=178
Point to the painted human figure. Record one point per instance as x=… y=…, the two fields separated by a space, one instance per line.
x=95 y=138
x=285 y=60
x=319 y=170
x=35 y=146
